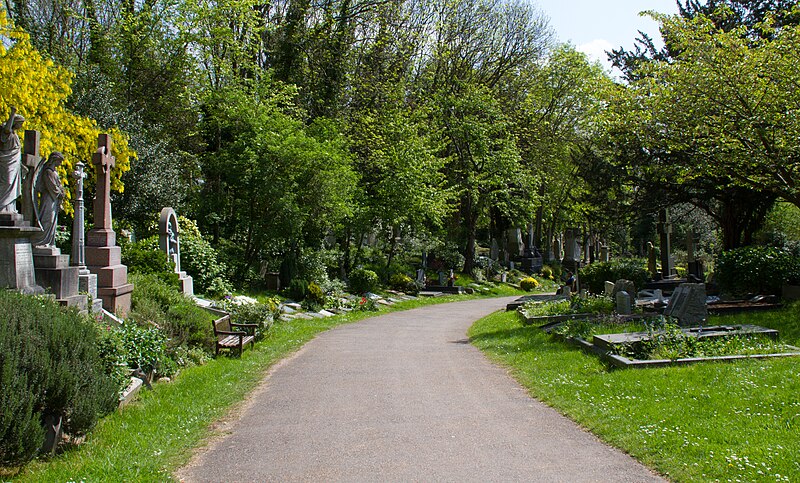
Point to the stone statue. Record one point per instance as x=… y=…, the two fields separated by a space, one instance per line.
x=49 y=186
x=10 y=163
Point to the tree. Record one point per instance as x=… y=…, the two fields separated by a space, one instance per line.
x=39 y=89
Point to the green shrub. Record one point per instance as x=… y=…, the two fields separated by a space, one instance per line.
x=315 y=295
x=547 y=272
x=363 y=281
x=200 y=260
x=297 y=290
x=146 y=349
x=183 y=322
x=49 y=365
x=593 y=276
x=528 y=284
x=263 y=315
x=754 y=269
x=403 y=283
x=144 y=257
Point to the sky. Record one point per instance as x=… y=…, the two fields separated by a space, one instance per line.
x=594 y=26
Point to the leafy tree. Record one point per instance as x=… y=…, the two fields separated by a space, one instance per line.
x=39 y=89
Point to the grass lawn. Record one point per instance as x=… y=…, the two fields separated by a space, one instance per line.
x=150 y=438
x=706 y=422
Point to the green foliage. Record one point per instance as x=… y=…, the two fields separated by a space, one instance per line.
x=315 y=296
x=528 y=284
x=112 y=352
x=146 y=349
x=754 y=269
x=261 y=314
x=363 y=281
x=298 y=289
x=547 y=272
x=184 y=323
x=575 y=305
x=364 y=304
x=49 y=365
x=593 y=277
x=402 y=283
x=592 y=304
x=200 y=260
x=144 y=257
x=580 y=329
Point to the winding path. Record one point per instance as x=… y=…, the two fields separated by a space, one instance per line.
x=404 y=397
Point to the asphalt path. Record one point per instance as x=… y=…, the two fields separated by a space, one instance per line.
x=403 y=397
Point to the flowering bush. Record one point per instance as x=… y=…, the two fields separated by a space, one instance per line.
x=528 y=284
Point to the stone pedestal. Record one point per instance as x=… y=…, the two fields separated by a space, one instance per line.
x=54 y=274
x=186 y=283
x=16 y=255
x=105 y=262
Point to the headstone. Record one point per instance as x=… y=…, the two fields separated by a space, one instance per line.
x=623 y=285
x=272 y=280
x=494 y=251
x=532 y=261
x=564 y=290
x=514 y=245
x=442 y=279
x=571 y=260
x=420 y=277
x=504 y=277
x=604 y=254
x=16 y=254
x=169 y=243
x=664 y=230
x=451 y=280
x=623 y=300
x=688 y=304
x=609 y=288
x=651 y=261
x=103 y=256
x=694 y=266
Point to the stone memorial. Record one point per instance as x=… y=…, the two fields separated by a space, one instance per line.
x=688 y=304
x=16 y=254
x=623 y=285
x=623 y=300
x=604 y=253
x=532 y=261
x=664 y=228
x=420 y=280
x=571 y=260
x=103 y=256
x=651 y=261
x=169 y=243
x=608 y=288
x=87 y=281
x=53 y=270
x=494 y=250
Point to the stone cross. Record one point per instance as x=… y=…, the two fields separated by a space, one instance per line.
x=30 y=159
x=103 y=163
x=78 y=236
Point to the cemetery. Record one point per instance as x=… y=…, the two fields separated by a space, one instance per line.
x=177 y=223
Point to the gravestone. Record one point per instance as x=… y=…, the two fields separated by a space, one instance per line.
x=494 y=251
x=169 y=243
x=16 y=230
x=688 y=304
x=572 y=250
x=103 y=256
x=694 y=266
x=623 y=285
x=87 y=281
x=272 y=280
x=604 y=254
x=608 y=288
x=514 y=245
x=420 y=280
x=664 y=228
x=623 y=300
x=651 y=261
x=532 y=261
x=442 y=279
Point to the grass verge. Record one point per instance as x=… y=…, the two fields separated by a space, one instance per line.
x=150 y=438
x=706 y=422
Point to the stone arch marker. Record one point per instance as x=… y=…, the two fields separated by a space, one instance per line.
x=169 y=243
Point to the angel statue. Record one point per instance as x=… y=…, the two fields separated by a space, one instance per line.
x=48 y=186
x=10 y=163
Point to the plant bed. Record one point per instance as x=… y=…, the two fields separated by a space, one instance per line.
x=738 y=306
x=620 y=349
x=551 y=320
x=529 y=298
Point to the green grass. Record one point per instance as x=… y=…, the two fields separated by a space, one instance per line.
x=156 y=434
x=710 y=421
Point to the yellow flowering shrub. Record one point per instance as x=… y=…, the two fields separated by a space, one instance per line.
x=38 y=88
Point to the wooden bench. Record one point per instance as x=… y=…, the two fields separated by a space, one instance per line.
x=229 y=338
